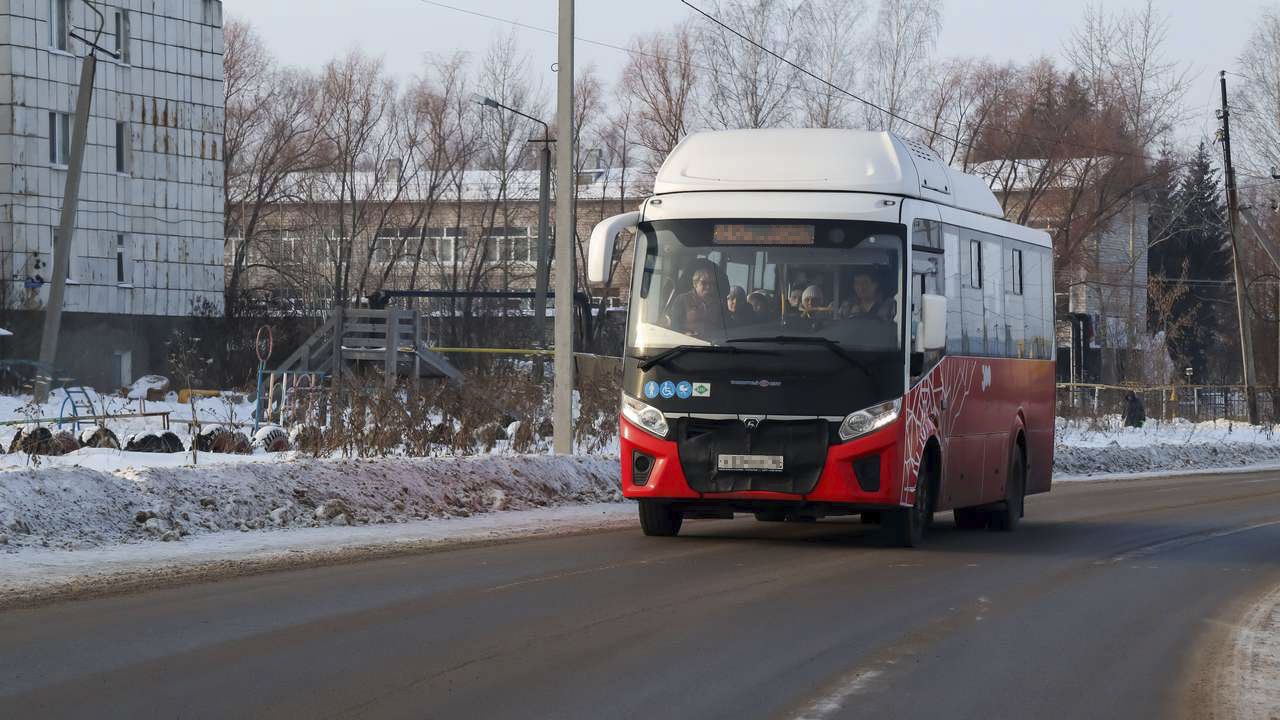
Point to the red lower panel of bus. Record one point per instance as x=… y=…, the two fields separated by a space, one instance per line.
x=974 y=407
x=878 y=456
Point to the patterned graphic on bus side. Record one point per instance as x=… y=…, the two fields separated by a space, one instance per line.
x=931 y=410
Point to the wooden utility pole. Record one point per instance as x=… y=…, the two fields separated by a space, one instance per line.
x=1233 y=215
x=562 y=391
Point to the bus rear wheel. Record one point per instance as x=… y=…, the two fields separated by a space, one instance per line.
x=1006 y=518
x=659 y=519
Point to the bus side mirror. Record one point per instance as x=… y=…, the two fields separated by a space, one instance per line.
x=933 y=322
x=600 y=251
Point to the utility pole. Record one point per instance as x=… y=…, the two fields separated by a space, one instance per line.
x=562 y=392
x=1233 y=214
x=543 y=261
x=543 y=265
x=66 y=228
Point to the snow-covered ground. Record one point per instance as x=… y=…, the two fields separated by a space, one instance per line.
x=96 y=511
x=79 y=507
x=1106 y=448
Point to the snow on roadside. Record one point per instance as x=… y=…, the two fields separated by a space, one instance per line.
x=39 y=574
x=80 y=507
x=1107 y=448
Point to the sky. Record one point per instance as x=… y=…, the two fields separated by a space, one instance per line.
x=1205 y=36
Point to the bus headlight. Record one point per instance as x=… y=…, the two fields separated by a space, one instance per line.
x=644 y=416
x=873 y=418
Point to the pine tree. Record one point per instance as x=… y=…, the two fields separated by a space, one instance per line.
x=1197 y=252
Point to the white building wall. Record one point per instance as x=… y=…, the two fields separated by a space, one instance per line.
x=168 y=206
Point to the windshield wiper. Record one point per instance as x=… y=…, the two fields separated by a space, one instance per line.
x=669 y=353
x=828 y=343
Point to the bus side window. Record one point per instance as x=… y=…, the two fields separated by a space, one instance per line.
x=952 y=263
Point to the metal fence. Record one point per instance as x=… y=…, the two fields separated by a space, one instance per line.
x=1196 y=403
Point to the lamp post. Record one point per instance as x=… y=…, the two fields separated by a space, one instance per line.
x=544 y=222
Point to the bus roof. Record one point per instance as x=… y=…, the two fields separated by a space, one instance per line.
x=820 y=160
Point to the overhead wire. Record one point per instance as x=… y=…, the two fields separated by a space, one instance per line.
x=835 y=90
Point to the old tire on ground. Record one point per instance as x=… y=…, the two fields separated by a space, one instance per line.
x=906 y=526
x=771 y=516
x=1005 y=519
x=970 y=518
x=659 y=519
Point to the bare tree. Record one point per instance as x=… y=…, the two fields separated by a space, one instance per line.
x=365 y=141
x=745 y=86
x=661 y=77
x=269 y=135
x=831 y=29
x=902 y=43
x=1259 y=121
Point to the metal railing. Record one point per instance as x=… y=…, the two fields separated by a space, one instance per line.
x=1197 y=403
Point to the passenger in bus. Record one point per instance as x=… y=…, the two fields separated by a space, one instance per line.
x=813 y=303
x=764 y=305
x=699 y=311
x=868 y=300
x=739 y=311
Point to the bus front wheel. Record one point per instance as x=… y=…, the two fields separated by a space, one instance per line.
x=659 y=519
x=906 y=526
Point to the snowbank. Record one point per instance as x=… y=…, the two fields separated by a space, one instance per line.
x=1108 y=448
x=78 y=507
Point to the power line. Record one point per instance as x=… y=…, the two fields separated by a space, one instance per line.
x=956 y=140
x=799 y=88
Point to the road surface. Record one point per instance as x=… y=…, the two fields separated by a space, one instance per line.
x=1103 y=604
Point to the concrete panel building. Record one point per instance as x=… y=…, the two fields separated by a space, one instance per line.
x=147 y=257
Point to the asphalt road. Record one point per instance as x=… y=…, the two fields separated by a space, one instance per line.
x=1098 y=606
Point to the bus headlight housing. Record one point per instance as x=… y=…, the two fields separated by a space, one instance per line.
x=646 y=417
x=873 y=418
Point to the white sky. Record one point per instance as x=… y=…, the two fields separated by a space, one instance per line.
x=1206 y=35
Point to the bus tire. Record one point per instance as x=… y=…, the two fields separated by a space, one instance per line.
x=906 y=526
x=659 y=519
x=1005 y=519
x=771 y=516
x=970 y=518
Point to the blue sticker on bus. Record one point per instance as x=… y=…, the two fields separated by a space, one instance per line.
x=684 y=389
x=668 y=389
x=651 y=389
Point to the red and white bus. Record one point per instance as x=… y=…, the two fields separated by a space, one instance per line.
x=831 y=322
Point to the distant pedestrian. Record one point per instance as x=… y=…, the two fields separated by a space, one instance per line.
x=1134 y=413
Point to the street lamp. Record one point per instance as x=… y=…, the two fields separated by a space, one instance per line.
x=544 y=221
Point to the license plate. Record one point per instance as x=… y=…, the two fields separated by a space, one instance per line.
x=751 y=463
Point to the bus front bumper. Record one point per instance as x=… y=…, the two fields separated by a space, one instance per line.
x=865 y=472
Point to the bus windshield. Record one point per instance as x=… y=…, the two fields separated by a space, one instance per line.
x=742 y=282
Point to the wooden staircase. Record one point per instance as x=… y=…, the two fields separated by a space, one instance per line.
x=393 y=338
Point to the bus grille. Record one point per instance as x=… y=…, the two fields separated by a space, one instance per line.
x=802 y=445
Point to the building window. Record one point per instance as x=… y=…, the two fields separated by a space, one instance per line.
x=59 y=138
x=122 y=35
x=975 y=264
x=122 y=147
x=58 y=39
x=511 y=244
x=441 y=243
x=1015 y=272
x=123 y=274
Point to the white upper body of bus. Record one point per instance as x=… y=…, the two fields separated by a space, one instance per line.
x=818 y=173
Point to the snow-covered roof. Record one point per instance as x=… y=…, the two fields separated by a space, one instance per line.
x=820 y=160
x=476 y=186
